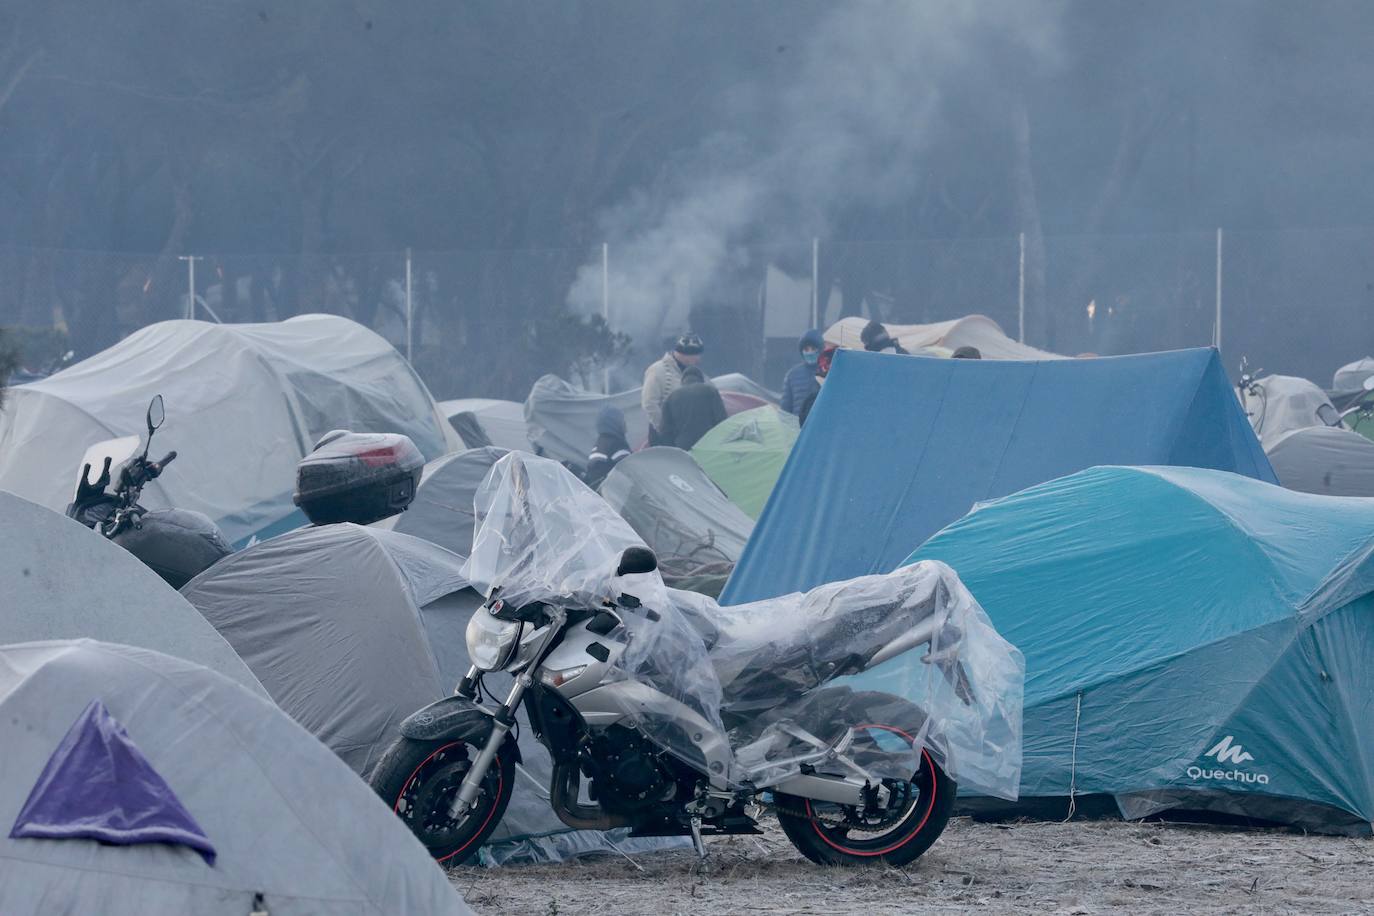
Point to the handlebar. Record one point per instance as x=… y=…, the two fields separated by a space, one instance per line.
x=157 y=467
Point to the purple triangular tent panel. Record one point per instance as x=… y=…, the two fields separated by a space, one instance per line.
x=98 y=785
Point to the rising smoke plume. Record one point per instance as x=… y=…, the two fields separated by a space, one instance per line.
x=849 y=131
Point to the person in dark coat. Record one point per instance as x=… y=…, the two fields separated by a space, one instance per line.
x=876 y=339
x=967 y=353
x=691 y=410
x=611 y=445
x=822 y=370
x=800 y=382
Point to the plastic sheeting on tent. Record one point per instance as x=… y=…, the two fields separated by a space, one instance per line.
x=287 y=820
x=694 y=529
x=1280 y=404
x=61 y=580
x=1327 y=460
x=897 y=447
x=501 y=423
x=758 y=681
x=244 y=403
x=970 y=331
x=561 y=417
x=1208 y=638
x=351 y=629
x=746 y=453
x=441 y=512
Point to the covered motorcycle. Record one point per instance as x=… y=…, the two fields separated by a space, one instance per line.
x=677 y=716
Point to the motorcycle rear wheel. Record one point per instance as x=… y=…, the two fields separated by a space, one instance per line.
x=830 y=834
x=419 y=779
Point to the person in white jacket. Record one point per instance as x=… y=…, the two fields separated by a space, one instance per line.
x=664 y=376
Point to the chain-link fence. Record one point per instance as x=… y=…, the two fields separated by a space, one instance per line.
x=487 y=323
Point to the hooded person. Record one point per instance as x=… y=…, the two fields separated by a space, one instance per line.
x=691 y=411
x=876 y=339
x=611 y=445
x=823 y=362
x=663 y=377
x=967 y=353
x=800 y=382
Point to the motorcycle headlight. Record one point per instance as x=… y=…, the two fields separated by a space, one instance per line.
x=491 y=641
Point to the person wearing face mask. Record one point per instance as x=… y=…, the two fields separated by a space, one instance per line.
x=876 y=339
x=800 y=382
x=823 y=362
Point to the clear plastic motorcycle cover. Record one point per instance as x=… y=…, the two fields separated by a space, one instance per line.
x=878 y=668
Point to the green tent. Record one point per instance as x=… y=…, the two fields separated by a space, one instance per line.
x=744 y=454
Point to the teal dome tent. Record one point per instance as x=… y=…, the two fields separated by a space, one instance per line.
x=1194 y=640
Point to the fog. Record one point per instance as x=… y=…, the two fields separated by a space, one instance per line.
x=301 y=149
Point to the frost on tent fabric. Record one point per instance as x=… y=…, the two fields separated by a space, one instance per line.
x=98 y=785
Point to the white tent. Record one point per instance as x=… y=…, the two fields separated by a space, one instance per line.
x=244 y=403
x=970 y=331
x=293 y=831
x=61 y=580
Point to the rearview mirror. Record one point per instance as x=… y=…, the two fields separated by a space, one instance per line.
x=156 y=414
x=636 y=560
x=1369 y=384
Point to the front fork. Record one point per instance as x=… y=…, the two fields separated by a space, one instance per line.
x=504 y=719
x=501 y=724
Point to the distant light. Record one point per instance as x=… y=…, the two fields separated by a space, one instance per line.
x=1092 y=309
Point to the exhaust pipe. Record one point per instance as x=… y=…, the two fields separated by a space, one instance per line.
x=563 y=797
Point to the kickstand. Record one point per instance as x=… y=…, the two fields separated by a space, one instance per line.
x=697 y=843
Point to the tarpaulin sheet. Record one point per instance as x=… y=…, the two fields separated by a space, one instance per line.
x=970 y=331
x=1321 y=459
x=897 y=447
x=1192 y=638
x=441 y=512
x=289 y=821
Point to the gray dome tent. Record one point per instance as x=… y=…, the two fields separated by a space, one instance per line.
x=244 y=403
x=561 y=417
x=1331 y=461
x=292 y=830
x=441 y=512
x=1280 y=404
x=351 y=629
x=697 y=533
x=60 y=580
x=486 y=421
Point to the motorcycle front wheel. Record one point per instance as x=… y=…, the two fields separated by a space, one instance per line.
x=831 y=834
x=420 y=779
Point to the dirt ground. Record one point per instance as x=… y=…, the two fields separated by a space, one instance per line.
x=1078 y=868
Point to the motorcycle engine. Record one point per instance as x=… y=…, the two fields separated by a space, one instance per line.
x=626 y=770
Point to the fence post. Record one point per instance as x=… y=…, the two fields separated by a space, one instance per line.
x=1216 y=333
x=410 y=312
x=1021 y=294
x=606 y=308
x=190 y=260
x=815 y=282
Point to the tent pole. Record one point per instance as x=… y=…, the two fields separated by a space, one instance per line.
x=1021 y=294
x=815 y=282
x=1216 y=333
x=606 y=307
x=190 y=260
x=410 y=310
